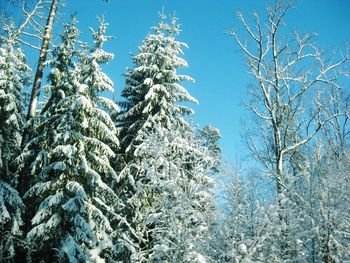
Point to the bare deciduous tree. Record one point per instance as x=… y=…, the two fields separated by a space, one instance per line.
x=33 y=102
x=290 y=71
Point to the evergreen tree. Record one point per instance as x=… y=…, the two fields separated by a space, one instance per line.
x=153 y=86
x=72 y=176
x=165 y=173
x=173 y=197
x=91 y=74
x=13 y=78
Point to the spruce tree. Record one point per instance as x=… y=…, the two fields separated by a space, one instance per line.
x=153 y=86
x=91 y=74
x=13 y=78
x=165 y=173
x=75 y=139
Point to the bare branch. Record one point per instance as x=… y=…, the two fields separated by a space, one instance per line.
x=285 y=71
x=28 y=44
x=247 y=27
x=32 y=35
x=243 y=47
x=29 y=16
x=259 y=114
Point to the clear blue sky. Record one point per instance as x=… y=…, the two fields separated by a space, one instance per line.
x=214 y=60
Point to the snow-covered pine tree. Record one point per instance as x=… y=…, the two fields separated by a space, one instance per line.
x=72 y=176
x=13 y=77
x=91 y=73
x=153 y=85
x=164 y=178
x=173 y=196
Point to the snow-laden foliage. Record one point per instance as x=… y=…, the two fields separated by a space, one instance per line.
x=325 y=230
x=209 y=136
x=11 y=207
x=70 y=191
x=13 y=78
x=307 y=222
x=239 y=226
x=91 y=73
x=79 y=196
x=153 y=85
x=172 y=196
x=167 y=191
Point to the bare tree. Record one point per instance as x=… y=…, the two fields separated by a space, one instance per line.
x=291 y=76
x=31 y=28
x=30 y=25
x=46 y=37
x=337 y=130
x=33 y=103
x=289 y=71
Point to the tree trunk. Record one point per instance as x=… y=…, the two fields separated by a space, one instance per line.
x=33 y=103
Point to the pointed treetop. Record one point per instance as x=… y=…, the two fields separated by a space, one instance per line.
x=10 y=35
x=71 y=32
x=99 y=35
x=164 y=28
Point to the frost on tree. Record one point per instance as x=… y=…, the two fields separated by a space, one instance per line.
x=209 y=137
x=287 y=101
x=164 y=176
x=173 y=196
x=71 y=192
x=91 y=73
x=13 y=78
x=153 y=85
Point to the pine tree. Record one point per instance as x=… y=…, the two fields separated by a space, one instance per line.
x=71 y=190
x=91 y=73
x=13 y=78
x=165 y=173
x=153 y=85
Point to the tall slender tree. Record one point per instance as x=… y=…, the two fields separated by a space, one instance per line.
x=164 y=176
x=34 y=98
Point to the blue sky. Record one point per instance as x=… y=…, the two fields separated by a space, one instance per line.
x=215 y=62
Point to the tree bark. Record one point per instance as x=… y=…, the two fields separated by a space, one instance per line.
x=33 y=103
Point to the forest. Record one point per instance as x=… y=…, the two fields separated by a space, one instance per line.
x=90 y=176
